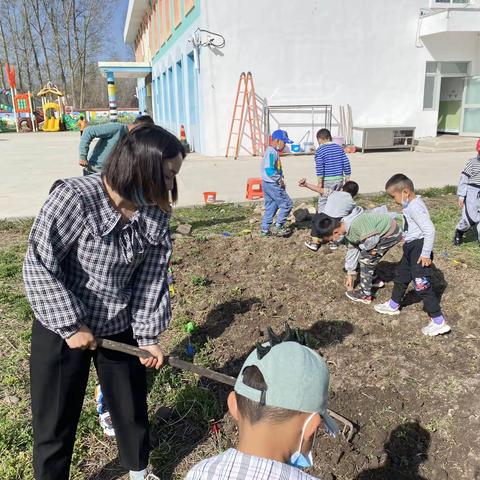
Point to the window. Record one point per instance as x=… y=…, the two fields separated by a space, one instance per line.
x=460 y=68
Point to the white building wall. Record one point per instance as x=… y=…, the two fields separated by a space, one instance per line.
x=362 y=52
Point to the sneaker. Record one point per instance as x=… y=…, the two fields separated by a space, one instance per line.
x=377 y=283
x=265 y=233
x=281 y=231
x=386 y=309
x=106 y=423
x=312 y=246
x=333 y=246
x=433 y=329
x=359 y=296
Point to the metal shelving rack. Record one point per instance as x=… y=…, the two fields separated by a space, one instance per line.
x=324 y=111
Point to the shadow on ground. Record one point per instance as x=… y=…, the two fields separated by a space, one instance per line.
x=406 y=449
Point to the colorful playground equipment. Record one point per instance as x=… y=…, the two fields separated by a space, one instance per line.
x=22 y=108
x=52 y=105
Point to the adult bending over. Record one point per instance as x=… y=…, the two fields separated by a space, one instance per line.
x=108 y=135
x=96 y=266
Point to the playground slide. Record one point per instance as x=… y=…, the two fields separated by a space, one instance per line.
x=51 y=125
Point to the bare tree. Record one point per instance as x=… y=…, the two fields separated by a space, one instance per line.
x=28 y=28
x=5 y=50
x=40 y=27
x=50 y=7
x=60 y=41
x=13 y=34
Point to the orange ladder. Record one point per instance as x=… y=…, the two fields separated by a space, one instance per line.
x=245 y=109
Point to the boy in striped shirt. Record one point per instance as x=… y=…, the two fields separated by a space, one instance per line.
x=469 y=198
x=333 y=170
x=331 y=164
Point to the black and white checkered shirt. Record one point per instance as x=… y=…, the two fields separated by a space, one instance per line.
x=85 y=264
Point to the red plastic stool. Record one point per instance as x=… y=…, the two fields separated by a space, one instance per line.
x=254 y=189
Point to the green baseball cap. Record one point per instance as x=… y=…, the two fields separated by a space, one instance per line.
x=296 y=378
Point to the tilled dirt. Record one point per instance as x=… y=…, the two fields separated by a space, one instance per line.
x=414 y=400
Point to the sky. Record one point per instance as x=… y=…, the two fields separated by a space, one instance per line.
x=116 y=30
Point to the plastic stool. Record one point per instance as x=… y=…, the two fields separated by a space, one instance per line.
x=254 y=189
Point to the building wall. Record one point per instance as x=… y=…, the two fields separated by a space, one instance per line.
x=316 y=52
x=366 y=54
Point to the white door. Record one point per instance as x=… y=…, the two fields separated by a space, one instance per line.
x=470 y=125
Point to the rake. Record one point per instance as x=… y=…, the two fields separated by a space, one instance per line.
x=347 y=430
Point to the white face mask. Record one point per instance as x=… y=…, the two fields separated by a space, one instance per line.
x=405 y=202
x=298 y=459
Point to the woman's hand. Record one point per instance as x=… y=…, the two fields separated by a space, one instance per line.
x=83 y=163
x=461 y=202
x=156 y=360
x=83 y=339
x=302 y=182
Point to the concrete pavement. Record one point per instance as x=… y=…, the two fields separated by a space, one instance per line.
x=31 y=162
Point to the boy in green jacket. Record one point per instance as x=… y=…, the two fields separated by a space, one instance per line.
x=369 y=236
x=108 y=135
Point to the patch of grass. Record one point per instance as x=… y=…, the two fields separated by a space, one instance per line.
x=199 y=280
x=226 y=217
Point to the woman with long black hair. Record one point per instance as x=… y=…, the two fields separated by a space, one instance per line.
x=96 y=266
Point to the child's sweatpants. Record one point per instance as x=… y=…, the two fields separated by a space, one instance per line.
x=408 y=270
x=59 y=378
x=330 y=185
x=275 y=198
x=471 y=210
x=369 y=259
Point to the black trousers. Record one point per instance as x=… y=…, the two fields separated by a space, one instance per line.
x=58 y=377
x=407 y=271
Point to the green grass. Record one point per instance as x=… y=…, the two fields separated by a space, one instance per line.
x=223 y=218
x=192 y=406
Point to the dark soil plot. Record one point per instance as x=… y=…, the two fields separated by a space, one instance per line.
x=414 y=400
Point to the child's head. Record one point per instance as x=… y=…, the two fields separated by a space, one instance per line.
x=324 y=136
x=400 y=188
x=327 y=228
x=81 y=117
x=267 y=406
x=351 y=187
x=279 y=139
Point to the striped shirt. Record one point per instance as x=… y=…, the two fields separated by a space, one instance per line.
x=472 y=171
x=235 y=465
x=331 y=162
x=86 y=265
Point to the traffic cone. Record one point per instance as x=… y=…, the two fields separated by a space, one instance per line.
x=183 y=139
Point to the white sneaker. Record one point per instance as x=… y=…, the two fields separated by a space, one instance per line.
x=386 y=309
x=106 y=424
x=433 y=329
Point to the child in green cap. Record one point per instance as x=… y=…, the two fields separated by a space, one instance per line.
x=279 y=402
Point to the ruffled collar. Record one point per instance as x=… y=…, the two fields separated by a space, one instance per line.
x=148 y=224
